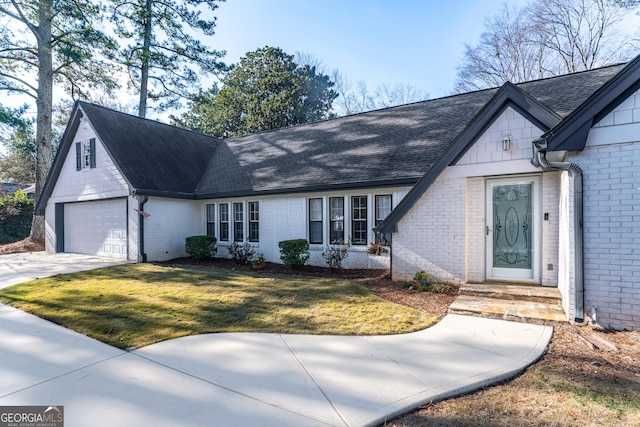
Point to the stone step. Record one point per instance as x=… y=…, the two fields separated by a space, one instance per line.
x=543 y=294
x=508 y=309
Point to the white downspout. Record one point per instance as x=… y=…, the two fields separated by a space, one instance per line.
x=539 y=160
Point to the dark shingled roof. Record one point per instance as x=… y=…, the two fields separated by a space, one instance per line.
x=383 y=147
x=392 y=146
x=154 y=157
x=563 y=94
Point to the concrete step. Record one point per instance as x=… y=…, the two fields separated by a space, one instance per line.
x=508 y=309
x=543 y=294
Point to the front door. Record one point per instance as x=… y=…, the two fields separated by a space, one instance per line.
x=512 y=229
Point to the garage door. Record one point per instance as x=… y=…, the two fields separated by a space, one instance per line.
x=96 y=228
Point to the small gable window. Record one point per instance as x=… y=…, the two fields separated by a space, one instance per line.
x=86 y=154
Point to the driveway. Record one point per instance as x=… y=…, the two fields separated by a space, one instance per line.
x=17 y=268
x=247 y=379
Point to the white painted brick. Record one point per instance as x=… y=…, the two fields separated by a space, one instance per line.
x=612 y=231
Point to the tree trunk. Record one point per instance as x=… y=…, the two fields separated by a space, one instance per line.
x=44 y=108
x=146 y=46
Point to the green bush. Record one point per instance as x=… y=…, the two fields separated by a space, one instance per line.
x=335 y=254
x=294 y=253
x=201 y=247
x=16 y=213
x=241 y=254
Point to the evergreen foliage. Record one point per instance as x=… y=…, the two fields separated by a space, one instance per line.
x=15 y=217
x=294 y=253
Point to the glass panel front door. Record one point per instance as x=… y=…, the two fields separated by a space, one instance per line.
x=512 y=229
x=512 y=226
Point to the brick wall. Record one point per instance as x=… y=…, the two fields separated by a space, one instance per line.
x=612 y=232
x=432 y=235
x=611 y=166
x=170 y=222
x=444 y=232
x=286 y=217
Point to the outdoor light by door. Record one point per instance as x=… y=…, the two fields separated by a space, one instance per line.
x=506 y=143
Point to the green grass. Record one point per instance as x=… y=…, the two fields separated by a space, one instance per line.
x=139 y=304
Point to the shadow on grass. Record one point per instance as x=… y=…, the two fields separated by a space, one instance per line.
x=137 y=305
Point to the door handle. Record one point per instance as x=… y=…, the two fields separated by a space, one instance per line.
x=488 y=230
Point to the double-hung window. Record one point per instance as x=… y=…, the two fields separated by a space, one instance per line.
x=238 y=222
x=336 y=219
x=86 y=154
x=383 y=209
x=254 y=222
x=224 y=222
x=315 y=221
x=211 y=220
x=359 y=220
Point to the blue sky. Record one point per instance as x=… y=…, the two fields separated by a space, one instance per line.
x=378 y=41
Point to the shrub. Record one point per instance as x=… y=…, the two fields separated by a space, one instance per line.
x=335 y=254
x=377 y=249
x=241 y=254
x=422 y=282
x=16 y=213
x=201 y=247
x=294 y=253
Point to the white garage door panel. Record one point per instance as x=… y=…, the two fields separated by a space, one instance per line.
x=97 y=228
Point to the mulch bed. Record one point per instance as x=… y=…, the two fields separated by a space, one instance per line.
x=26 y=245
x=375 y=280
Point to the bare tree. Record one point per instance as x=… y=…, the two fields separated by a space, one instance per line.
x=358 y=98
x=544 y=39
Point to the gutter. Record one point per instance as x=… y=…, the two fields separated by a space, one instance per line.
x=539 y=160
x=142 y=199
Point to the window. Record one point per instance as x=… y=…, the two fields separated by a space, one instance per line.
x=254 y=222
x=238 y=222
x=86 y=154
x=336 y=219
x=224 y=222
x=315 y=221
x=359 y=220
x=211 y=220
x=383 y=209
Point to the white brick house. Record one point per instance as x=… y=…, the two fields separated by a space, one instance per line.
x=537 y=183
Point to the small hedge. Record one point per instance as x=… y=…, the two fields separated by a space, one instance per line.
x=241 y=254
x=16 y=213
x=294 y=253
x=201 y=247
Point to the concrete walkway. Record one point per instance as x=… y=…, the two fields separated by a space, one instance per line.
x=247 y=379
x=18 y=268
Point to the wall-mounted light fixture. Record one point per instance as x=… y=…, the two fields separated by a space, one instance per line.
x=506 y=143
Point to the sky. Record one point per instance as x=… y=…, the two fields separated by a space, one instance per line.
x=413 y=42
x=416 y=42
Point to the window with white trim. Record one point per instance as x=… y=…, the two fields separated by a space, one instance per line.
x=336 y=219
x=315 y=221
x=254 y=222
x=359 y=229
x=224 y=222
x=383 y=209
x=211 y=220
x=238 y=222
x=86 y=154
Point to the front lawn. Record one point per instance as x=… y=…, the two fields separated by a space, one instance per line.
x=139 y=304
